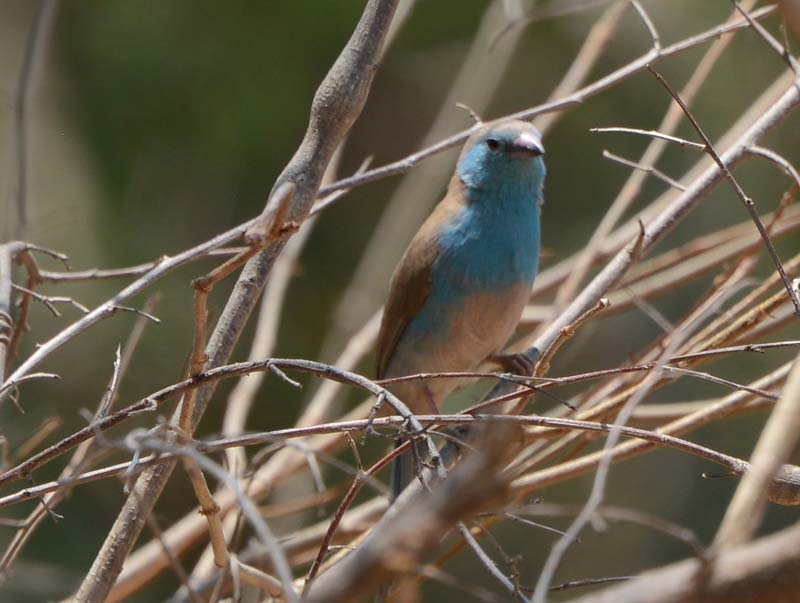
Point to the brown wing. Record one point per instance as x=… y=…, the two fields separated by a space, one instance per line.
x=411 y=281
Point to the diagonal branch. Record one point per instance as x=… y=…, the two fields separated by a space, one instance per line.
x=747 y=201
x=760 y=572
x=776 y=443
x=337 y=104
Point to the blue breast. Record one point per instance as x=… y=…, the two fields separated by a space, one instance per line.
x=492 y=243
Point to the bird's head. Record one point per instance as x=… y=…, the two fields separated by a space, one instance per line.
x=502 y=155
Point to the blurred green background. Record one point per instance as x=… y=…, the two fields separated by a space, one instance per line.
x=155 y=125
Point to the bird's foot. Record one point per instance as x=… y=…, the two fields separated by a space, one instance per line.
x=517 y=364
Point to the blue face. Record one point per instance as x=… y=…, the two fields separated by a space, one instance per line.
x=492 y=242
x=505 y=161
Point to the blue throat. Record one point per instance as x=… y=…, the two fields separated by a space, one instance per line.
x=492 y=243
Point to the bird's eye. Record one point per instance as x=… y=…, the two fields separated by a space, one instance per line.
x=493 y=144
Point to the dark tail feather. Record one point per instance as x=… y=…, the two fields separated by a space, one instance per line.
x=402 y=472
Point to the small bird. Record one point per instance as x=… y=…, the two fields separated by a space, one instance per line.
x=459 y=290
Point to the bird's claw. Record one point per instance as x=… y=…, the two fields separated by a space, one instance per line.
x=517 y=364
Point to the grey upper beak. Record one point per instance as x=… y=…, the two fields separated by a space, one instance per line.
x=526 y=145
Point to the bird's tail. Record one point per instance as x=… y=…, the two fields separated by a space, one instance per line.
x=403 y=589
x=402 y=472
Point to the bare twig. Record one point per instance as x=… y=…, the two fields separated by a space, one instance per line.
x=781 y=50
x=487 y=562
x=80 y=459
x=685 y=535
x=776 y=443
x=92 y=274
x=174 y=562
x=778 y=160
x=656 y=229
x=687 y=423
x=50 y=301
x=577 y=97
x=747 y=201
x=653 y=134
x=248 y=507
x=112 y=305
x=336 y=106
x=648 y=22
x=352 y=492
x=197 y=362
x=635 y=181
x=543 y=365
x=645 y=168
x=7 y=253
x=601 y=474
x=659 y=437
x=764 y=570
x=417 y=521
x=39 y=32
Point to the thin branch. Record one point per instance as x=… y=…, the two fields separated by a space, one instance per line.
x=781 y=50
x=603 y=468
x=487 y=561
x=50 y=301
x=92 y=274
x=589 y=582
x=112 y=305
x=250 y=510
x=653 y=134
x=762 y=571
x=575 y=98
x=721 y=381
x=38 y=33
x=7 y=253
x=355 y=488
x=778 y=160
x=80 y=460
x=645 y=168
x=11 y=384
x=543 y=365
x=615 y=513
x=175 y=563
x=778 y=439
x=669 y=216
x=580 y=466
x=597 y=40
x=61 y=257
x=659 y=437
x=651 y=28
x=633 y=184
x=337 y=104
x=747 y=201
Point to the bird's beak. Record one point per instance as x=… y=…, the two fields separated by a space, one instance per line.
x=525 y=146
